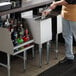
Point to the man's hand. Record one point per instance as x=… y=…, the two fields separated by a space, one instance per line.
x=53 y=5
x=45 y=13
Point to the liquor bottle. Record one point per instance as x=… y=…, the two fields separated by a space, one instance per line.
x=27 y=34
x=14 y=37
x=21 y=30
x=45 y=11
x=11 y=25
x=7 y=23
x=19 y=40
x=26 y=37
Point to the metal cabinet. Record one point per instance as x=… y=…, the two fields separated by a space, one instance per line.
x=42 y=33
x=6 y=46
x=40 y=29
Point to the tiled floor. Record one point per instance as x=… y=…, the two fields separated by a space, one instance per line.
x=33 y=68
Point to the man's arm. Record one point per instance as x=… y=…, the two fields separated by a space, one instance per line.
x=71 y=1
x=53 y=6
x=62 y=2
x=58 y=3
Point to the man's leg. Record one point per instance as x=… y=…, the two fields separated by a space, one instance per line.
x=67 y=34
x=73 y=28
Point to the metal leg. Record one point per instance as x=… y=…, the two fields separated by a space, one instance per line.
x=48 y=45
x=40 y=55
x=33 y=54
x=25 y=58
x=8 y=64
x=56 y=46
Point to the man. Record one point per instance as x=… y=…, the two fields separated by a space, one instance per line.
x=69 y=26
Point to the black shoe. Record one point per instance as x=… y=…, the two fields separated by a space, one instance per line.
x=65 y=60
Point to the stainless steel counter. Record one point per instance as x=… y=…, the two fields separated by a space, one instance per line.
x=27 y=5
